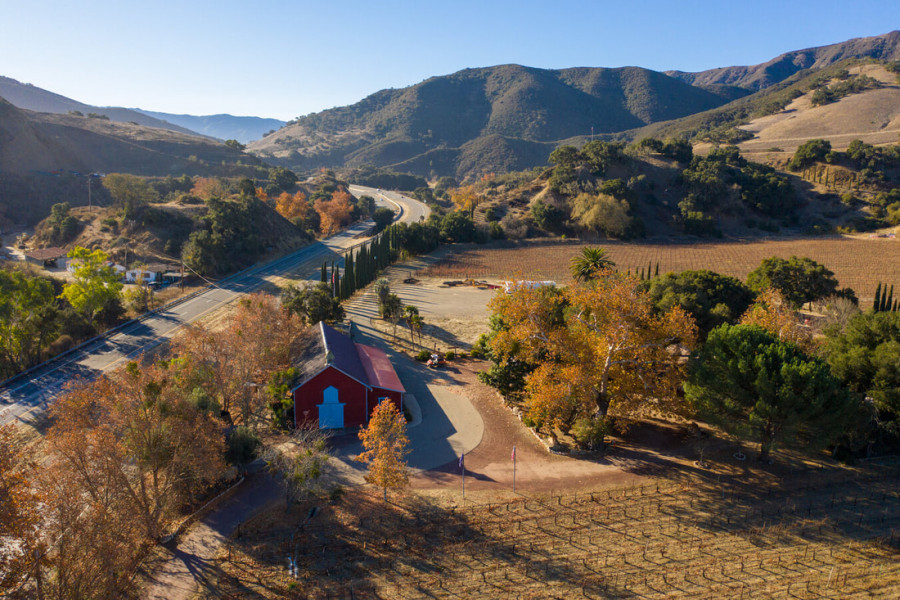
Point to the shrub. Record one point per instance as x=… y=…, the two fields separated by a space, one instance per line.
x=62 y=343
x=589 y=433
x=423 y=355
x=450 y=355
x=242 y=445
x=513 y=227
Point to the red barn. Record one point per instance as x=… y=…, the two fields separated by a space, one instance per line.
x=341 y=382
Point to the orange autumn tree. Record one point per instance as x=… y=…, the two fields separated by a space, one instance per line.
x=600 y=349
x=261 y=195
x=292 y=206
x=133 y=442
x=386 y=444
x=209 y=187
x=19 y=512
x=335 y=212
x=125 y=453
x=229 y=365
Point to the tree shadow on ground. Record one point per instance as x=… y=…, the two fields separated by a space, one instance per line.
x=415 y=548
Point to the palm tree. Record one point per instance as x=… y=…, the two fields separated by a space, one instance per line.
x=590 y=263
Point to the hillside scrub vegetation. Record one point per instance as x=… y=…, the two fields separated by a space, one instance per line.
x=624 y=192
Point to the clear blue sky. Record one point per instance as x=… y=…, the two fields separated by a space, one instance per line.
x=288 y=58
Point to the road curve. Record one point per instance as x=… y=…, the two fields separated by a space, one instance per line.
x=24 y=397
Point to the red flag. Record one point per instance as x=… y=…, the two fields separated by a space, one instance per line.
x=514 y=454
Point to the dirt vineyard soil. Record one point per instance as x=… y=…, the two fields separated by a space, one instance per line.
x=813 y=537
x=858 y=263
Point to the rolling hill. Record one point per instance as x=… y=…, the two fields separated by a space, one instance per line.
x=434 y=127
x=29 y=97
x=44 y=156
x=222 y=126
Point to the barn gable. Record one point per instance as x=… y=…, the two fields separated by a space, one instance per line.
x=341 y=382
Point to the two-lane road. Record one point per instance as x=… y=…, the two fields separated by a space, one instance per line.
x=23 y=397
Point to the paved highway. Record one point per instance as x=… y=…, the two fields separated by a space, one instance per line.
x=28 y=395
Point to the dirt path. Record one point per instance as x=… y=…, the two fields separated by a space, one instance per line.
x=193 y=561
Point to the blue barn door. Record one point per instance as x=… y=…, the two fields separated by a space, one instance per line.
x=331 y=411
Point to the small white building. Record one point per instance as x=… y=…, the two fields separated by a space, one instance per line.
x=142 y=275
x=509 y=286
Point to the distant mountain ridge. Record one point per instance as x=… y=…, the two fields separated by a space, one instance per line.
x=757 y=77
x=222 y=126
x=522 y=105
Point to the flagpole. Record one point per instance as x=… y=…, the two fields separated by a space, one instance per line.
x=514 y=468
x=462 y=463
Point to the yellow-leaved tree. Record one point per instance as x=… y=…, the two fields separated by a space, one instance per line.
x=773 y=312
x=600 y=349
x=466 y=199
x=96 y=283
x=386 y=443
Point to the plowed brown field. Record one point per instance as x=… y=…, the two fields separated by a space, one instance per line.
x=858 y=263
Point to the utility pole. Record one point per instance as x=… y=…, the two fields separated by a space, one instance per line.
x=90 y=204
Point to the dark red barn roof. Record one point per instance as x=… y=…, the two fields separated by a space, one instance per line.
x=370 y=366
x=379 y=370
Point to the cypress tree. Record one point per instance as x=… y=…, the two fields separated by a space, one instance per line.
x=895 y=305
x=324 y=272
x=349 y=277
x=334 y=290
x=890 y=299
x=876 y=306
x=656 y=274
x=649 y=267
